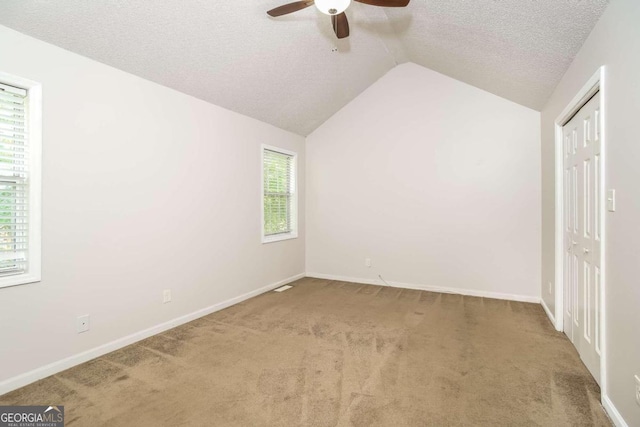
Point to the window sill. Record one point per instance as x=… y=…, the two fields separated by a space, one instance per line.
x=18 y=279
x=279 y=237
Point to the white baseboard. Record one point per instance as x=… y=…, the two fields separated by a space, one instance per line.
x=469 y=292
x=613 y=412
x=549 y=314
x=60 y=365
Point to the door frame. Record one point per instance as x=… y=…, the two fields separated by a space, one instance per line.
x=596 y=84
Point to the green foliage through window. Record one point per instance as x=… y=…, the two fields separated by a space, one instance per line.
x=278 y=195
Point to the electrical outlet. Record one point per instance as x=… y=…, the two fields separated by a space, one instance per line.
x=82 y=323
x=367 y=262
x=637 y=389
x=166 y=296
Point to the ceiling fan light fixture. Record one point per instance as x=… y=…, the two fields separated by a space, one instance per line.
x=332 y=7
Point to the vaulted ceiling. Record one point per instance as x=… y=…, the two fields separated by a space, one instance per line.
x=291 y=71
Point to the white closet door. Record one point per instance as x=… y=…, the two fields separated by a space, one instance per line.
x=582 y=233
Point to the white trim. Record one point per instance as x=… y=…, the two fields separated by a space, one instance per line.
x=294 y=232
x=60 y=365
x=277 y=237
x=596 y=83
x=34 y=97
x=613 y=413
x=549 y=314
x=469 y=292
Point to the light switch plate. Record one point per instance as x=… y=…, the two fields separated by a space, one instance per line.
x=166 y=296
x=611 y=200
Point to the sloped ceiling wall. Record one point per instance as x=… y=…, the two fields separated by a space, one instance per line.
x=434 y=181
x=291 y=71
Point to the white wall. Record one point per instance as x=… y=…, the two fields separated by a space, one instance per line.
x=436 y=181
x=144 y=189
x=614 y=43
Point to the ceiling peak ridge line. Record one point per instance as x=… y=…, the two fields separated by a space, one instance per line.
x=394 y=36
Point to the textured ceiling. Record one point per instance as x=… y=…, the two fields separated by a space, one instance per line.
x=291 y=71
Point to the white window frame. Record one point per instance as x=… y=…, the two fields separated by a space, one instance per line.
x=294 y=214
x=34 y=254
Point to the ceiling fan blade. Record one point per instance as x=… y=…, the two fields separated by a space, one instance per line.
x=385 y=3
x=340 y=25
x=290 y=8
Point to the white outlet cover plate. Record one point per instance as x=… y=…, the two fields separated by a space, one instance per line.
x=83 y=323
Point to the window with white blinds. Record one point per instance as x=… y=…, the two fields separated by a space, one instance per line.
x=16 y=189
x=279 y=204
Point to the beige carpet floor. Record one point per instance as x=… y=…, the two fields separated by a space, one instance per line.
x=328 y=353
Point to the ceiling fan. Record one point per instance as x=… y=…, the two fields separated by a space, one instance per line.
x=334 y=8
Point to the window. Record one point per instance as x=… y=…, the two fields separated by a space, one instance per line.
x=280 y=197
x=19 y=181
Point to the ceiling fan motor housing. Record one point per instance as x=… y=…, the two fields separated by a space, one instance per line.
x=332 y=7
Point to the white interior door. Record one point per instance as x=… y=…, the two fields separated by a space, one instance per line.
x=582 y=232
